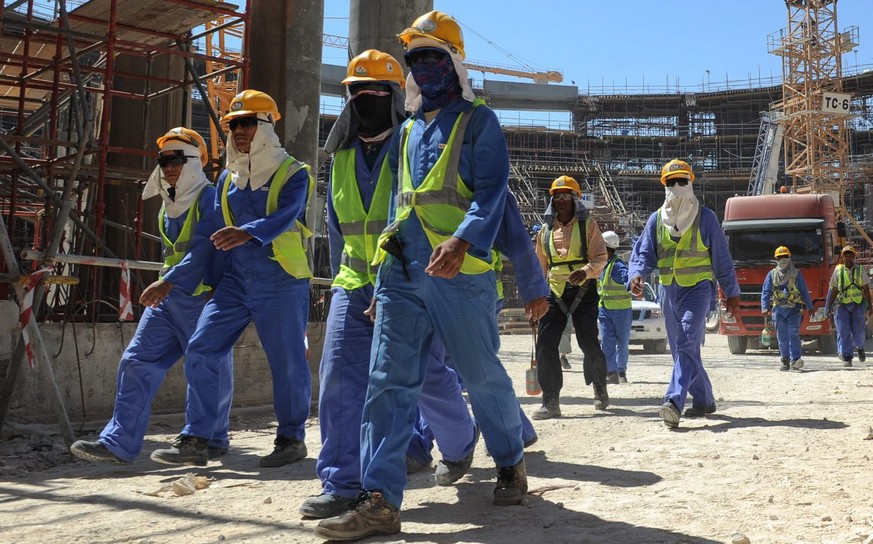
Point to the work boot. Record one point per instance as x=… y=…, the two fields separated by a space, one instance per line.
x=214 y=452
x=786 y=364
x=601 y=397
x=414 y=464
x=326 y=505
x=670 y=414
x=511 y=485
x=548 y=410
x=373 y=515
x=622 y=377
x=797 y=364
x=186 y=450
x=699 y=411
x=612 y=377
x=847 y=360
x=565 y=364
x=95 y=451
x=449 y=472
x=285 y=452
x=861 y=355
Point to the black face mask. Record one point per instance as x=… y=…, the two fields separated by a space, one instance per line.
x=373 y=113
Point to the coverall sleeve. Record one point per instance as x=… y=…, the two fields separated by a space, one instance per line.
x=191 y=270
x=292 y=206
x=597 y=255
x=393 y=158
x=644 y=257
x=722 y=262
x=804 y=291
x=334 y=234
x=541 y=254
x=767 y=292
x=513 y=241
x=832 y=288
x=619 y=272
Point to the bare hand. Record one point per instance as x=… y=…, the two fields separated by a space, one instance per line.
x=732 y=305
x=371 y=310
x=536 y=309
x=155 y=293
x=636 y=286
x=577 y=276
x=228 y=238
x=447 y=258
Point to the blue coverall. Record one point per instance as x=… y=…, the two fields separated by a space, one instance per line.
x=849 y=320
x=685 y=308
x=254 y=287
x=461 y=310
x=786 y=318
x=615 y=325
x=161 y=338
x=345 y=366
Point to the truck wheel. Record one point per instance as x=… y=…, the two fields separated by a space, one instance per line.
x=827 y=344
x=659 y=346
x=712 y=321
x=737 y=344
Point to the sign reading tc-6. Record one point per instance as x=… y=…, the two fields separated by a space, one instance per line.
x=755 y=227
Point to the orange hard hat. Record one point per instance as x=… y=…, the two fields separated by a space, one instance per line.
x=438 y=26
x=373 y=65
x=565 y=183
x=186 y=136
x=249 y=103
x=676 y=169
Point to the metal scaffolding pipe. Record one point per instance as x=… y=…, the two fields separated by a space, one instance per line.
x=69 y=258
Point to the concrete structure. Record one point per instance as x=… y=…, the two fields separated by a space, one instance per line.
x=374 y=24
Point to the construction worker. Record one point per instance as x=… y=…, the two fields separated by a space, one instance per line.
x=261 y=202
x=685 y=242
x=849 y=291
x=357 y=211
x=436 y=276
x=784 y=295
x=173 y=303
x=614 y=312
x=572 y=255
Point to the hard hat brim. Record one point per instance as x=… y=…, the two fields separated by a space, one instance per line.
x=248 y=113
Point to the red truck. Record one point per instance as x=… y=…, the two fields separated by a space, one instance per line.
x=755 y=226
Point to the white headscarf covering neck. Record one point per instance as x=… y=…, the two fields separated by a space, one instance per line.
x=679 y=209
x=191 y=181
x=256 y=167
x=413 y=93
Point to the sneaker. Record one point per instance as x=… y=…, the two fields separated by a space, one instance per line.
x=326 y=505
x=186 y=450
x=622 y=377
x=797 y=364
x=285 y=452
x=373 y=515
x=413 y=464
x=565 y=364
x=786 y=364
x=670 y=414
x=511 y=485
x=601 y=398
x=548 y=410
x=861 y=355
x=612 y=377
x=214 y=452
x=449 y=472
x=699 y=411
x=95 y=451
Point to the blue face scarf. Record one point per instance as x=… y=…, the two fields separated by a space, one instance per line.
x=438 y=82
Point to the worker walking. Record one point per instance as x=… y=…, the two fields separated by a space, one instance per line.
x=614 y=312
x=173 y=304
x=572 y=255
x=436 y=277
x=785 y=294
x=684 y=240
x=262 y=198
x=849 y=292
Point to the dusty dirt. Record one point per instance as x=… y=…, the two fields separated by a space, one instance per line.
x=784 y=460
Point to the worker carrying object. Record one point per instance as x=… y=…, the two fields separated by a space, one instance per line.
x=849 y=292
x=785 y=294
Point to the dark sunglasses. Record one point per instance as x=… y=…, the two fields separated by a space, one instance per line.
x=677 y=181
x=173 y=160
x=244 y=122
x=424 y=56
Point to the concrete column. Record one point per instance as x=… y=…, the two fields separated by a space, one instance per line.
x=374 y=24
x=286 y=64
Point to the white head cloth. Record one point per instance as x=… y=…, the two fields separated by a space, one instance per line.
x=679 y=209
x=265 y=156
x=191 y=181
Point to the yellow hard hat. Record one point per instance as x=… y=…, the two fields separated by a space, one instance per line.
x=373 y=65
x=251 y=102
x=782 y=251
x=676 y=169
x=437 y=26
x=565 y=182
x=186 y=136
x=848 y=249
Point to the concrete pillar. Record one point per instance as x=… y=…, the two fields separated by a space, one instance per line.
x=374 y=24
x=286 y=64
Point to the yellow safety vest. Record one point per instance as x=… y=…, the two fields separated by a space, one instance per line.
x=613 y=295
x=849 y=286
x=780 y=298
x=360 y=228
x=442 y=199
x=688 y=262
x=497 y=265
x=288 y=247
x=559 y=267
x=174 y=252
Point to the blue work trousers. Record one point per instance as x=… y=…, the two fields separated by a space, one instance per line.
x=685 y=311
x=279 y=307
x=615 y=326
x=787 y=321
x=160 y=340
x=849 y=321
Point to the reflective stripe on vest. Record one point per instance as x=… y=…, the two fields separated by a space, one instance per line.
x=613 y=295
x=780 y=298
x=174 y=252
x=850 y=288
x=441 y=201
x=560 y=268
x=688 y=262
x=288 y=247
x=360 y=228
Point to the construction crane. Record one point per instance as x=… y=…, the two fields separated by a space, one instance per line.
x=225 y=43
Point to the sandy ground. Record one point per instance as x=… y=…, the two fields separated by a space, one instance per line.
x=783 y=460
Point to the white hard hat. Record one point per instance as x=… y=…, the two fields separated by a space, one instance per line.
x=611 y=239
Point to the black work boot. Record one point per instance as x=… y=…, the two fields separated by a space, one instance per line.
x=550 y=408
x=449 y=472
x=601 y=397
x=861 y=355
x=612 y=377
x=326 y=505
x=286 y=451
x=95 y=451
x=699 y=411
x=373 y=515
x=786 y=364
x=186 y=450
x=511 y=485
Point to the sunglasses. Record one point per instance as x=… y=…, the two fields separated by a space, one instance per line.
x=424 y=56
x=677 y=181
x=562 y=196
x=173 y=160
x=244 y=122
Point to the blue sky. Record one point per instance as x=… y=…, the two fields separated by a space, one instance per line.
x=630 y=43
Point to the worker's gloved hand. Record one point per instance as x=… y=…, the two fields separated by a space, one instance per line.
x=636 y=286
x=536 y=309
x=155 y=293
x=577 y=276
x=228 y=238
x=447 y=258
x=732 y=305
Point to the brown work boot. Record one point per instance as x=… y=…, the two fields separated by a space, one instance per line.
x=601 y=397
x=372 y=516
x=511 y=485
